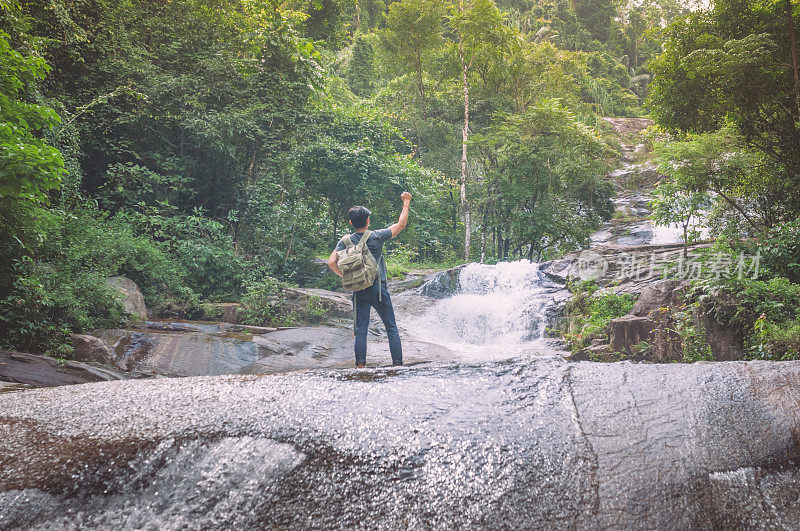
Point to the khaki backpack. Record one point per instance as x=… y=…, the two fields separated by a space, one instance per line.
x=359 y=268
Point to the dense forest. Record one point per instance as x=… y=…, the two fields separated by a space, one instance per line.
x=202 y=148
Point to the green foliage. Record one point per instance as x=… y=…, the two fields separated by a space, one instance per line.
x=774 y=341
x=44 y=305
x=401 y=258
x=360 y=70
x=603 y=308
x=201 y=247
x=672 y=204
x=589 y=313
x=641 y=350
x=63 y=289
x=261 y=305
x=413 y=33
x=29 y=166
x=781 y=250
x=741 y=302
x=767 y=312
x=596 y=16
x=545 y=188
x=358 y=157
x=747 y=190
x=694 y=341
x=731 y=63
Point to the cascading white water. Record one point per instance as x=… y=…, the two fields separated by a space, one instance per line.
x=496 y=308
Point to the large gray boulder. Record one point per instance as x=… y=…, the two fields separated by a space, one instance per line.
x=663 y=294
x=533 y=444
x=90 y=348
x=442 y=284
x=132 y=298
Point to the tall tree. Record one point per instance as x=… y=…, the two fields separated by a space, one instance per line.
x=413 y=30
x=547 y=187
x=481 y=37
x=793 y=49
x=734 y=63
x=360 y=71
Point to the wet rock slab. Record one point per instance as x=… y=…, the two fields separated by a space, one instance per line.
x=506 y=445
x=41 y=371
x=316 y=347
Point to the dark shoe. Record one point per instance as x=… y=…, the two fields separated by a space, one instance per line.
x=360 y=365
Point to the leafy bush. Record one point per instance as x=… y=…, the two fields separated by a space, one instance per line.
x=264 y=305
x=260 y=304
x=694 y=341
x=201 y=247
x=589 y=313
x=766 y=311
x=741 y=302
x=774 y=341
x=58 y=287
x=45 y=305
x=781 y=250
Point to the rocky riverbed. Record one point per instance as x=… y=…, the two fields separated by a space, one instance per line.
x=519 y=443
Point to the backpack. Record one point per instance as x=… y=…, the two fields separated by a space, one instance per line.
x=359 y=268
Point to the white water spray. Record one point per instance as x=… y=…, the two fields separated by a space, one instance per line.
x=496 y=310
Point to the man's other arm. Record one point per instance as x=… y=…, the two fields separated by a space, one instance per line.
x=333 y=263
x=398 y=227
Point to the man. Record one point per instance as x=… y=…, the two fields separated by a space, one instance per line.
x=377 y=295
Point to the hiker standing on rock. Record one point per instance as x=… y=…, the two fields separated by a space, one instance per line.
x=358 y=260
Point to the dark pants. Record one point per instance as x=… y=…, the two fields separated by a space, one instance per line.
x=364 y=300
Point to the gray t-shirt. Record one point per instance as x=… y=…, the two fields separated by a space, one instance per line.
x=374 y=244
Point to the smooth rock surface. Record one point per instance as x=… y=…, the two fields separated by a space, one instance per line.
x=90 y=348
x=663 y=294
x=312 y=347
x=527 y=444
x=42 y=371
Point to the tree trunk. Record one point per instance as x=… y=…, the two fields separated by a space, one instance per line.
x=464 y=138
x=420 y=81
x=686 y=237
x=483 y=236
x=793 y=44
x=334 y=236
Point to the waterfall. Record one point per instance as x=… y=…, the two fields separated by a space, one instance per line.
x=492 y=307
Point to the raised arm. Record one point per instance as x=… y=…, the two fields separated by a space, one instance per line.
x=403 y=220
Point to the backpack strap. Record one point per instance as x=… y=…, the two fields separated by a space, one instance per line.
x=364 y=237
x=348 y=242
x=380 y=291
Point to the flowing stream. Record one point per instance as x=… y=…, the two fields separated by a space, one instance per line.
x=494 y=311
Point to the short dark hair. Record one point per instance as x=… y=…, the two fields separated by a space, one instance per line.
x=359 y=216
